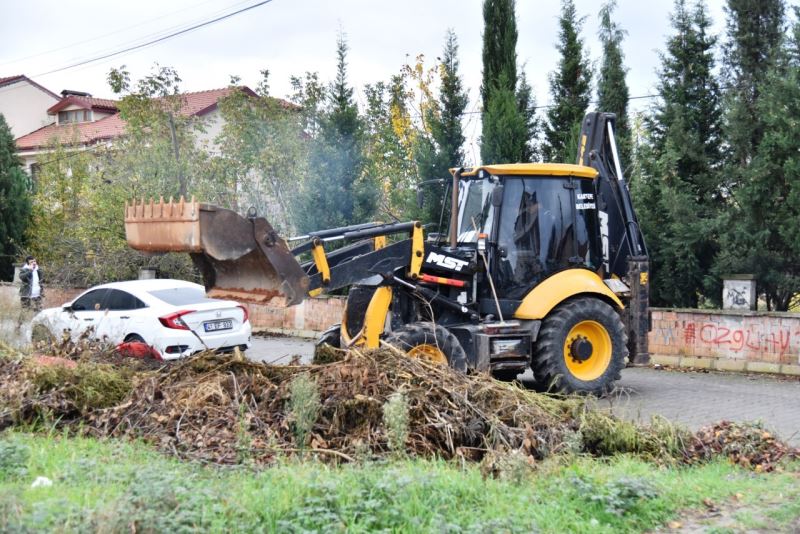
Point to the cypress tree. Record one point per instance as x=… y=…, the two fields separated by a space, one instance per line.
x=570 y=89
x=683 y=165
x=499 y=47
x=612 y=89
x=15 y=203
x=504 y=128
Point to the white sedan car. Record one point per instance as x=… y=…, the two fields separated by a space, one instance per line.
x=174 y=317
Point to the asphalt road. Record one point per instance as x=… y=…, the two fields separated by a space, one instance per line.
x=689 y=398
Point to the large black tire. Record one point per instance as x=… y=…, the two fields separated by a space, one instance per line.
x=581 y=348
x=430 y=341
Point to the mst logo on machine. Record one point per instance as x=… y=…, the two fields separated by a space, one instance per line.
x=446 y=262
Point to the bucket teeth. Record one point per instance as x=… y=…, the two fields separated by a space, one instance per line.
x=162 y=211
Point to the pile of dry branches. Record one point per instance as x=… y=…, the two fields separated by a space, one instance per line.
x=226 y=409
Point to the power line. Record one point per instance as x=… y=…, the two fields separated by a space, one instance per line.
x=154 y=41
x=115 y=32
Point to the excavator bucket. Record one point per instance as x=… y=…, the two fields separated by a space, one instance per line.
x=240 y=258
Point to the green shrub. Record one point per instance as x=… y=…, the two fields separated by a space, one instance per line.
x=13 y=460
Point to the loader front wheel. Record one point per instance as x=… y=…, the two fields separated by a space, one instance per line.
x=430 y=342
x=581 y=348
x=331 y=336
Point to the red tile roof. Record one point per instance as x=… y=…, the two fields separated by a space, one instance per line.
x=84 y=133
x=83 y=102
x=201 y=102
x=194 y=104
x=10 y=79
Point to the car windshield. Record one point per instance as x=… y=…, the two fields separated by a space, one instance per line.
x=181 y=296
x=475 y=209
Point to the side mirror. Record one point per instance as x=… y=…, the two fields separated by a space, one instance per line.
x=497 y=196
x=420 y=198
x=67 y=307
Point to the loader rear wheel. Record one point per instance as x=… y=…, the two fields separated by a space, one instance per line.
x=581 y=348
x=430 y=342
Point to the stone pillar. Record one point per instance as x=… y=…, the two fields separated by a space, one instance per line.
x=739 y=292
x=147 y=273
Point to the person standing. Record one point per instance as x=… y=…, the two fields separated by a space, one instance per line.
x=30 y=292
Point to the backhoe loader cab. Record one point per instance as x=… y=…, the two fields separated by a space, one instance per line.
x=543 y=267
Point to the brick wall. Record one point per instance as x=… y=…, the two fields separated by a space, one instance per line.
x=307 y=319
x=53 y=296
x=727 y=340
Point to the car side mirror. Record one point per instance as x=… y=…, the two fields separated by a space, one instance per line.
x=67 y=307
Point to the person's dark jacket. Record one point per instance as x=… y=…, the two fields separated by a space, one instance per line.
x=26 y=277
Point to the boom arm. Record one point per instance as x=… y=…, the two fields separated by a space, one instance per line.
x=625 y=252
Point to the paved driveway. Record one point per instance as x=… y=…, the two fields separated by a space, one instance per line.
x=690 y=398
x=696 y=399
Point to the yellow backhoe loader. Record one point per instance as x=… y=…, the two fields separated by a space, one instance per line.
x=542 y=266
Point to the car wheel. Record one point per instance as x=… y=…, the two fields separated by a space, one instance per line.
x=134 y=338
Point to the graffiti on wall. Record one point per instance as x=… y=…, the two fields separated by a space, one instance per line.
x=728 y=335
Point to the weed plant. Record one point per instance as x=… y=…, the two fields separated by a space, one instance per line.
x=395 y=420
x=304 y=406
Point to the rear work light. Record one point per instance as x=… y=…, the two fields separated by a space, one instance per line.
x=246 y=313
x=173 y=320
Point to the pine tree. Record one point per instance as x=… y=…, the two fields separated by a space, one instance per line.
x=447 y=136
x=766 y=229
x=683 y=165
x=334 y=195
x=15 y=204
x=570 y=89
x=761 y=230
x=504 y=136
x=612 y=89
x=447 y=129
x=526 y=103
x=755 y=34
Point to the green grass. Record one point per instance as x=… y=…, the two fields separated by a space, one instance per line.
x=114 y=486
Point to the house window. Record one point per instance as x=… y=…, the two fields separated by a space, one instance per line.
x=75 y=115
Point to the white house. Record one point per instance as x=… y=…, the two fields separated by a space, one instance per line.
x=24 y=104
x=82 y=122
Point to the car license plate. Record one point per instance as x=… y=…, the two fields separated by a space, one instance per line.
x=213 y=326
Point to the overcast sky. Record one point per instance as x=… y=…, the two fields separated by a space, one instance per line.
x=293 y=36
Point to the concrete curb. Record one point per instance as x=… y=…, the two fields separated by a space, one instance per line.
x=306 y=334
x=719 y=364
